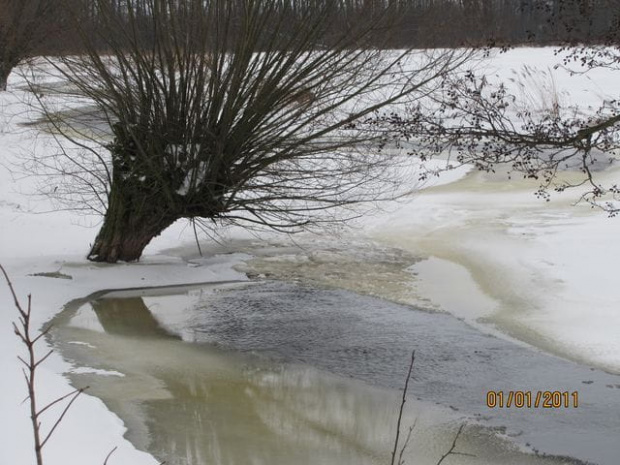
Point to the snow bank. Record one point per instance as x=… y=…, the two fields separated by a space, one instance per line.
x=540 y=272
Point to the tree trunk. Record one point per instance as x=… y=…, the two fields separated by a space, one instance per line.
x=135 y=216
x=4 y=76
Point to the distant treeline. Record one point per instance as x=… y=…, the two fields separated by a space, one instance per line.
x=400 y=23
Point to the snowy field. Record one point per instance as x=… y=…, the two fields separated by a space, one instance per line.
x=490 y=252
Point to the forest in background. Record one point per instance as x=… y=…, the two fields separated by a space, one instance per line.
x=413 y=23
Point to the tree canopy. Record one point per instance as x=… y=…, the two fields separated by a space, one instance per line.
x=233 y=111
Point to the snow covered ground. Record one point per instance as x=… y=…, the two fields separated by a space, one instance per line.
x=542 y=273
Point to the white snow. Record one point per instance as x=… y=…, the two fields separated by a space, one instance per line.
x=543 y=273
x=540 y=272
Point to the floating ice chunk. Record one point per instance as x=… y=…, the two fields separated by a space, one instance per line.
x=96 y=371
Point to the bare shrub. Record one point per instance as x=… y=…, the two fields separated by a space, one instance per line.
x=31 y=362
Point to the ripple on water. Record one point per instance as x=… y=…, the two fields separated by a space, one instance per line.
x=281 y=373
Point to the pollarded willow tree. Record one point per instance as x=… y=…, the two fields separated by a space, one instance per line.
x=233 y=111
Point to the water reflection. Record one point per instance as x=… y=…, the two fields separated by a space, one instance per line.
x=202 y=402
x=266 y=418
x=128 y=316
x=194 y=404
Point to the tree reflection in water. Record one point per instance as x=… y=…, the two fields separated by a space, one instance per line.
x=217 y=409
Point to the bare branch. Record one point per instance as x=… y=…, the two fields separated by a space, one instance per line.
x=62 y=415
x=400 y=414
x=60 y=399
x=105 y=462
x=31 y=363
x=452 y=447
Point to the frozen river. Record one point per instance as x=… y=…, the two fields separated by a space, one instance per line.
x=279 y=373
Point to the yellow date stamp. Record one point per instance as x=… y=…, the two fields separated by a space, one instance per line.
x=533 y=399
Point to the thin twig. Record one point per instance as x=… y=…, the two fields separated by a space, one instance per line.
x=42 y=359
x=105 y=462
x=451 y=451
x=401 y=461
x=402 y=407
x=31 y=363
x=62 y=415
x=60 y=399
x=8 y=281
x=196 y=236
